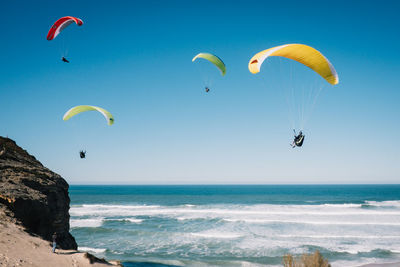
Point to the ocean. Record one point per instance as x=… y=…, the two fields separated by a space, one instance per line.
x=237 y=225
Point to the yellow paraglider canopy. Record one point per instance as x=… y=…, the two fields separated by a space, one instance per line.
x=83 y=108
x=303 y=54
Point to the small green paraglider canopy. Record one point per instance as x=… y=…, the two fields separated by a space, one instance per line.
x=214 y=60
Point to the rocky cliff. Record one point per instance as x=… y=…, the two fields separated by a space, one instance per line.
x=33 y=195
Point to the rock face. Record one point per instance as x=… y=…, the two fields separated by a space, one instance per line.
x=35 y=196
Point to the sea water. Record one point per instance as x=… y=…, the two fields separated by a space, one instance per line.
x=237 y=225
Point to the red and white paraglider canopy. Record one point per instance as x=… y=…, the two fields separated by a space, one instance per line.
x=61 y=24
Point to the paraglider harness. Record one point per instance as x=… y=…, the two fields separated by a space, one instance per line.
x=64 y=60
x=207 y=89
x=298 y=139
x=82 y=154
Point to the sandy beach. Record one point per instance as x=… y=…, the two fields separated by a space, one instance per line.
x=18 y=248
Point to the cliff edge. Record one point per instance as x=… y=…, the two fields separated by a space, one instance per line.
x=33 y=195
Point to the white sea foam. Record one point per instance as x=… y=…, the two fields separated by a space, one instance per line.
x=94 y=222
x=353 y=263
x=119 y=206
x=247 y=231
x=251 y=264
x=253 y=230
x=95 y=250
x=132 y=220
x=266 y=221
x=322 y=210
x=325 y=214
x=348 y=205
x=390 y=203
x=341 y=236
x=218 y=235
x=92 y=209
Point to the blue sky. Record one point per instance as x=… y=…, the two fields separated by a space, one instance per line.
x=134 y=59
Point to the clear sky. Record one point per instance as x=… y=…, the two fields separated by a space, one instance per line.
x=133 y=58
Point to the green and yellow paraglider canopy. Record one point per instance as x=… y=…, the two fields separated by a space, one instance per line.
x=214 y=60
x=303 y=54
x=79 y=109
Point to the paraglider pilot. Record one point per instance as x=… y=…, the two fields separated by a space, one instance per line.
x=64 y=60
x=82 y=154
x=207 y=89
x=298 y=139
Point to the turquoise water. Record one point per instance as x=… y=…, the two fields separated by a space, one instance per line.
x=242 y=225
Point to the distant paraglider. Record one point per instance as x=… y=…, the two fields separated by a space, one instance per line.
x=216 y=61
x=298 y=139
x=64 y=60
x=82 y=154
x=309 y=57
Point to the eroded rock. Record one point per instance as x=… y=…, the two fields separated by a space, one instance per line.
x=34 y=195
